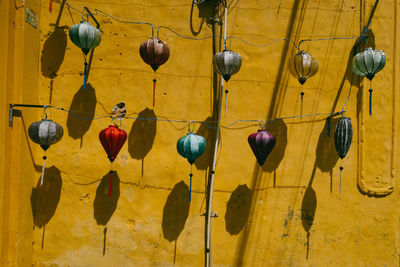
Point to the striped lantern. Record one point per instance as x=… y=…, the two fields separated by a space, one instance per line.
x=262 y=142
x=227 y=63
x=191 y=146
x=367 y=63
x=45 y=133
x=343 y=136
x=86 y=37
x=303 y=66
x=154 y=52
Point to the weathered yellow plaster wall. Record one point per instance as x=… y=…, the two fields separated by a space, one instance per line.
x=287 y=213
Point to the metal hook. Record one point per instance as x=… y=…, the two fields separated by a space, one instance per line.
x=44 y=112
x=191 y=130
x=262 y=124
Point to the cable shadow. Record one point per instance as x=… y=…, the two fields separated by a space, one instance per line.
x=105 y=205
x=195 y=32
x=205 y=160
x=279 y=129
x=238 y=209
x=142 y=135
x=83 y=105
x=45 y=198
x=175 y=212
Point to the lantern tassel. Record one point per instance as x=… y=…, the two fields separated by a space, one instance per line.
x=301 y=103
x=110 y=192
x=341 y=171
x=51 y=5
x=370 y=101
x=226 y=102
x=190 y=187
x=154 y=91
x=85 y=76
x=43 y=167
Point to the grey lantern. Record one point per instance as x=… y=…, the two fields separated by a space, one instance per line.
x=227 y=63
x=45 y=133
x=85 y=36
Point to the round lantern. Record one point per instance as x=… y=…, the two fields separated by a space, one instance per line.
x=343 y=138
x=227 y=63
x=112 y=139
x=303 y=66
x=45 y=133
x=262 y=142
x=86 y=37
x=191 y=146
x=155 y=53
x=367 y=63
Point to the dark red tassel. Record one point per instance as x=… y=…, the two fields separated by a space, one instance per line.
x=154 y=91
x=111 y=172
x=51 y=5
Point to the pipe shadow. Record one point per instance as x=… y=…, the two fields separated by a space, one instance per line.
x=279 y=129
x=142 y=135
x=238 y=209
x=83 y=108
x=205 y=160
x=45 y=198
x=105 y=205
x=175 y=212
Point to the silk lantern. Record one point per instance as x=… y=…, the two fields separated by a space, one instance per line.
x=45 y=133
x=191 y=146
x=262 y=142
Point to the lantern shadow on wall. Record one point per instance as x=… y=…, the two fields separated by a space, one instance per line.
x=278 y=129
x=45 y=198
x=53 y=52
x=83 y=105
x=176 y=211
x=104 y=204
x=142 y=135
x=204 y=161
x=238 y=209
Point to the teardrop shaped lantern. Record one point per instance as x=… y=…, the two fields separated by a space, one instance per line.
x=45 y=133
x=367 y=63
x=191 y=146
x=262 y=142
x=343 y=137
x=86 y=37
x=155 y=53
x=112 y=139
x=227 y=63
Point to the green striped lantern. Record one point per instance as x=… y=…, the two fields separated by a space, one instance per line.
x=191 y=146
x=86 y=37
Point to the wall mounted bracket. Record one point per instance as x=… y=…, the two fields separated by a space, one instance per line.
x=17 y=113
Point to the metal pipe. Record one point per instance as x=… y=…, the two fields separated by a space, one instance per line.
x=94 y=19
x=211 y=185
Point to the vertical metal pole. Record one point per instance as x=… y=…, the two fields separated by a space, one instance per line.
x=211 y=186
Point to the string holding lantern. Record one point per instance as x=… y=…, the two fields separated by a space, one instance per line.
x=45 y=133
x=303 y=66
x=227 y=63
x=112 y=139
x=191 y=146
x=367 y=63
x=261 y=142
x=154 y=52
x=343 y=137
x=86 y=37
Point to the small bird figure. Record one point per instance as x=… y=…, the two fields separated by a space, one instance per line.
x=119 y=110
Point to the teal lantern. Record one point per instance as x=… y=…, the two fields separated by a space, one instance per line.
x=86 y=37
x=191 y=146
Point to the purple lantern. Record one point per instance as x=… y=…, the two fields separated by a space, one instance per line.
x=262 y=142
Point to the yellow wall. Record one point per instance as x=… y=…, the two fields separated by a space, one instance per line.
x=287 y=213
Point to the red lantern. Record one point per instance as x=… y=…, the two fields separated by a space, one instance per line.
x=262 y=142
x=155 y=53
x=112 y=139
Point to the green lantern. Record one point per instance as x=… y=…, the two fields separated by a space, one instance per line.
x=86 y=37
x=191 y=146
x=367 y=63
